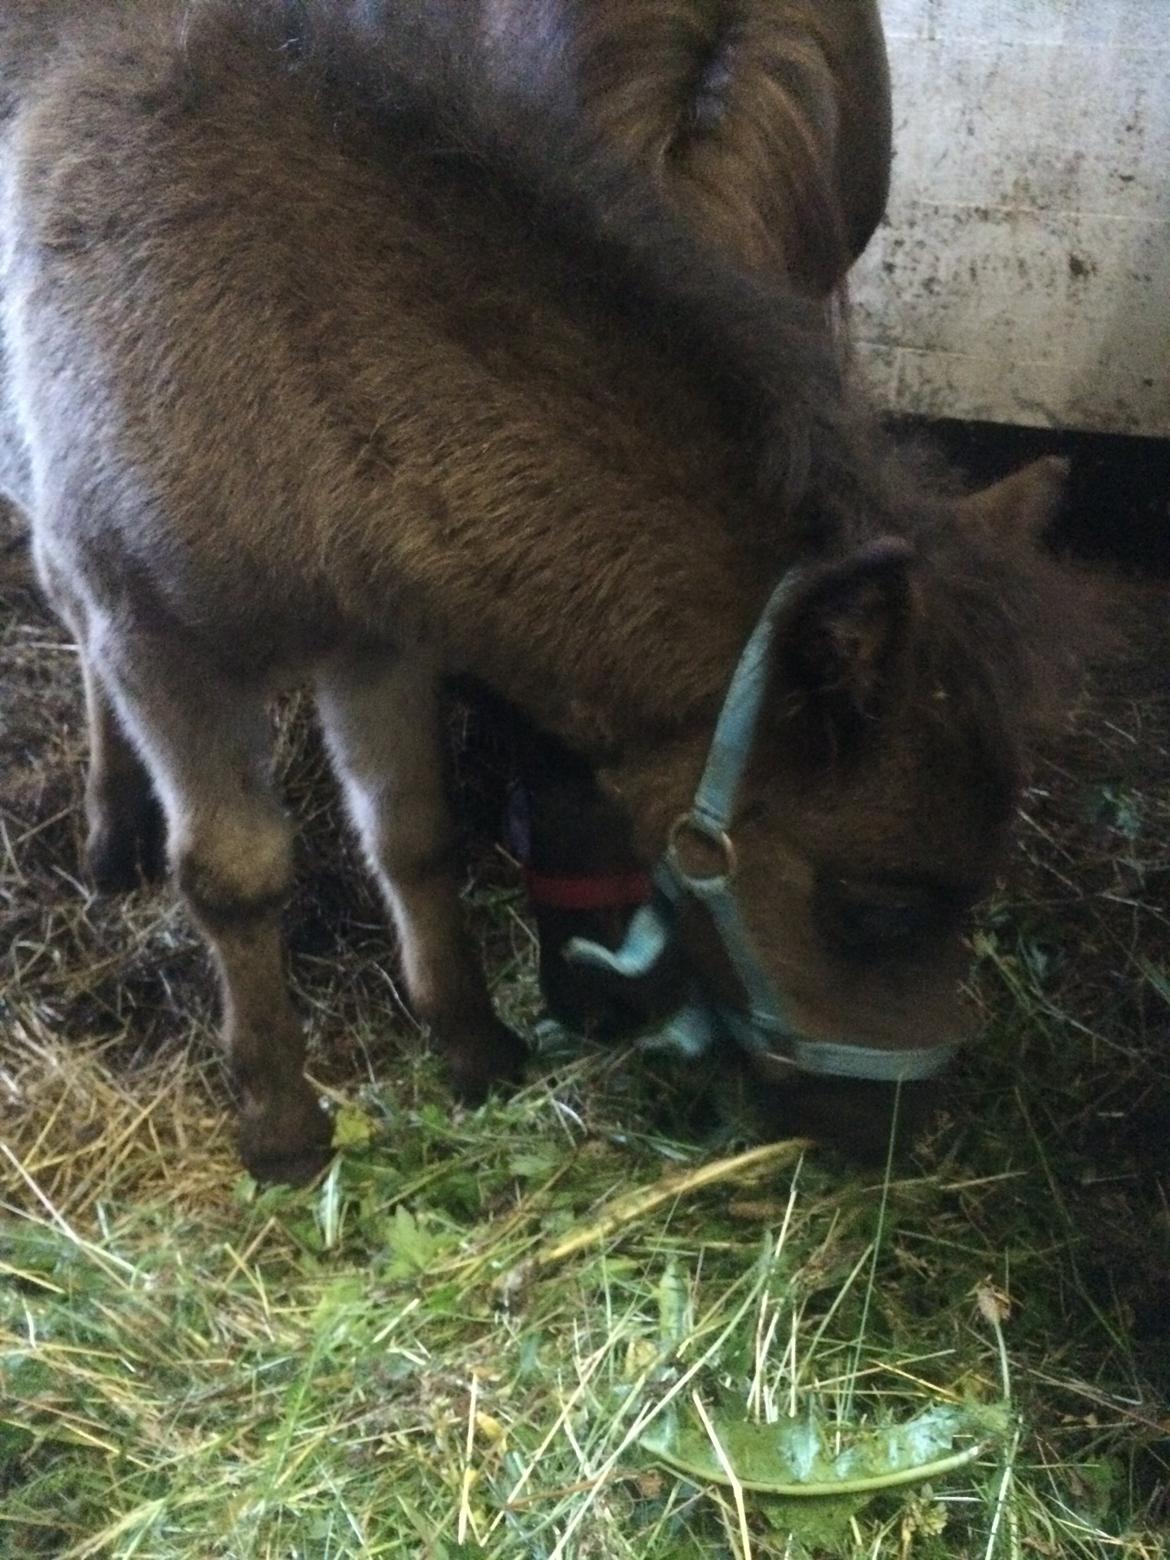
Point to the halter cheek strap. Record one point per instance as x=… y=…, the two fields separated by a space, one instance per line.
x=761 y=1028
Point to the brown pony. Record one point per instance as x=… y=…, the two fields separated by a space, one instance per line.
x=312 y=370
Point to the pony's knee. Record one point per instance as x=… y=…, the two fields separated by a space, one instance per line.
x=235 y=868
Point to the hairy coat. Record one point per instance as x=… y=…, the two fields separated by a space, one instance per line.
x=315 y=370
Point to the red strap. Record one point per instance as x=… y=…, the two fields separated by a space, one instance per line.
x=617 y=891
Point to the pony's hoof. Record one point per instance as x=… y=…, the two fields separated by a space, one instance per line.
x=287 y=1144
x=294 y=1168
x=479 y=1064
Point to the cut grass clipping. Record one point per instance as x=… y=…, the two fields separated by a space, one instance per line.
x=587 y=1321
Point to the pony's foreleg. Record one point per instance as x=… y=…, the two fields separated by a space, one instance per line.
x=381 y=715
x=207 y=744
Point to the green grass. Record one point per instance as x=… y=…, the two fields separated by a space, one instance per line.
x=378 y=1365
x=475 y=1337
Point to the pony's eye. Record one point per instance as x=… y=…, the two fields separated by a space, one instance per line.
x=874 y=919
x=875 y=922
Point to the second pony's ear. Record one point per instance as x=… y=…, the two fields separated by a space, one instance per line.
x=837 y=644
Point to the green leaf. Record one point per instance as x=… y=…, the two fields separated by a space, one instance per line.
x=408 y=1240
x=674 y=1321
x=1097 y=1483
x=1158 y=979
x=795 y=1457
x=530 y=1167
x=823 y=1525
x=339 y=1299
x=412 y=1245
x=329 y=1208
x=1118 y=809
x=352 y=1128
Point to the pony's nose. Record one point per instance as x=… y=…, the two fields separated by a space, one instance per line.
x=858 y=1119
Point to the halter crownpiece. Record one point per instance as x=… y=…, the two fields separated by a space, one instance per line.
x=761 y=1028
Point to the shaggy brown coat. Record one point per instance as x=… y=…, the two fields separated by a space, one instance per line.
x=305 y=377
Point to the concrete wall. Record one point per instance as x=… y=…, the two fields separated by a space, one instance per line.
x=1023 y=275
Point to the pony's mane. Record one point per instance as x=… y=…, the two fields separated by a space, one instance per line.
x=732 y=104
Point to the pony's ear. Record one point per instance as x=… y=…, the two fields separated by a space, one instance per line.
x=1020 y=505
x=837 y=645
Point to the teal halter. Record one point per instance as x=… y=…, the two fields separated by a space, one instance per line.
x=762 y=1029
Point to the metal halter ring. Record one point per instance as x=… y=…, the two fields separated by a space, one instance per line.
x=717 y=839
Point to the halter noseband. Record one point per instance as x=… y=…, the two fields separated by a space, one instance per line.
x=762 y=1029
